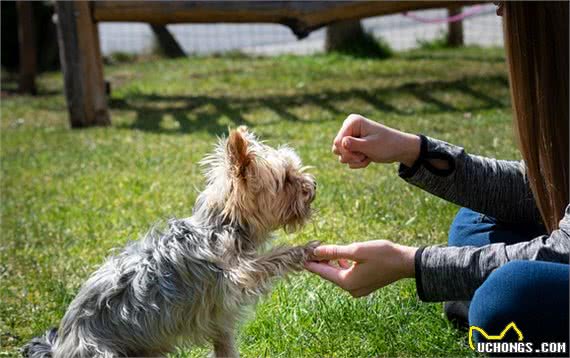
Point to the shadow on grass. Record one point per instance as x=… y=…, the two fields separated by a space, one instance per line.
x=450 y=54
x=9 y=86
x=202 y=113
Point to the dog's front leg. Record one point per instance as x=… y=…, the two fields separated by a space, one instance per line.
x=254 y=275
x=225 y=346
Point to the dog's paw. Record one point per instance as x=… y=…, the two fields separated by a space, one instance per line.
x=309 y=248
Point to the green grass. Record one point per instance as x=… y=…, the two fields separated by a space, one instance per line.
x=437 y=43
x=70 y=196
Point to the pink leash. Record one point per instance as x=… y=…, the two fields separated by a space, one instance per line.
x=470 y=12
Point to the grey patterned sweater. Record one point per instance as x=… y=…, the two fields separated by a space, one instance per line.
x=496 y=188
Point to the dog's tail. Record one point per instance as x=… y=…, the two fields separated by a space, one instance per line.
x=41 y=347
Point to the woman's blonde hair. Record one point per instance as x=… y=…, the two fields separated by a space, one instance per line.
x=536 y=43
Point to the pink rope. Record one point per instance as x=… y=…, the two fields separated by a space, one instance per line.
x=472 y=11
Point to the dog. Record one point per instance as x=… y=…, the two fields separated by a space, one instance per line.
x=190 y=283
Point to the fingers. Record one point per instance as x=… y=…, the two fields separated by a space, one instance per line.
x=326 y=271
x=359 y=165
x=344 y=264
x=351 y=151
x=338 y=276
x=335 y=150
x=334 y=252
x=361 y=292
x=350 y=127
x=353 y=144
x=349 y=157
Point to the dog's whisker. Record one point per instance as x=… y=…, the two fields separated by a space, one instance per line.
x=306 y=168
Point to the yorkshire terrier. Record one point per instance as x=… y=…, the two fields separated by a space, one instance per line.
x=190 y=283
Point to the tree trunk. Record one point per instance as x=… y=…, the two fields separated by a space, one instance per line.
x=455 y=29
x=343 y=34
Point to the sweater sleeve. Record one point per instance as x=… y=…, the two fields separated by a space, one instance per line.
x=496 y=188
x=454 y=273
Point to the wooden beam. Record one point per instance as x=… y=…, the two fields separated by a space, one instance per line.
x=27 y=47
x=301 y=16
x=81 y=64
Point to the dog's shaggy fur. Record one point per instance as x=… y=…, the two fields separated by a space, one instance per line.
x=190 y=283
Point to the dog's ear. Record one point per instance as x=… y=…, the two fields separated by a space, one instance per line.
x=238 y=151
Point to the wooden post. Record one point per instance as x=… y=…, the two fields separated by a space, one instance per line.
x=455 y=29
x=168 y=45
x=27 y=47
x=82 y=65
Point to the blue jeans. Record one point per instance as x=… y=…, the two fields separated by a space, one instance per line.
x=533 y=294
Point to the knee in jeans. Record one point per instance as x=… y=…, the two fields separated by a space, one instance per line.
x=460 y=225
x=470 y=228
x=494 y=304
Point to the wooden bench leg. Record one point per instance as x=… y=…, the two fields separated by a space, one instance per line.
x=82 y=65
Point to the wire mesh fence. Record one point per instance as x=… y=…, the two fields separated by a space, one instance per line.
x=483 y=28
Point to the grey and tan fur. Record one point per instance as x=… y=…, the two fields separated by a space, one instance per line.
x=190 y=283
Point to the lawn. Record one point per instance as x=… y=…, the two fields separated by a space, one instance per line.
x=68 y=197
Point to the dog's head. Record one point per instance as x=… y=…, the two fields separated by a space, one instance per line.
x=256 y=186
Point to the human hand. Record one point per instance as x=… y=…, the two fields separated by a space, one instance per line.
x=363 y=267
x=361 y=141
